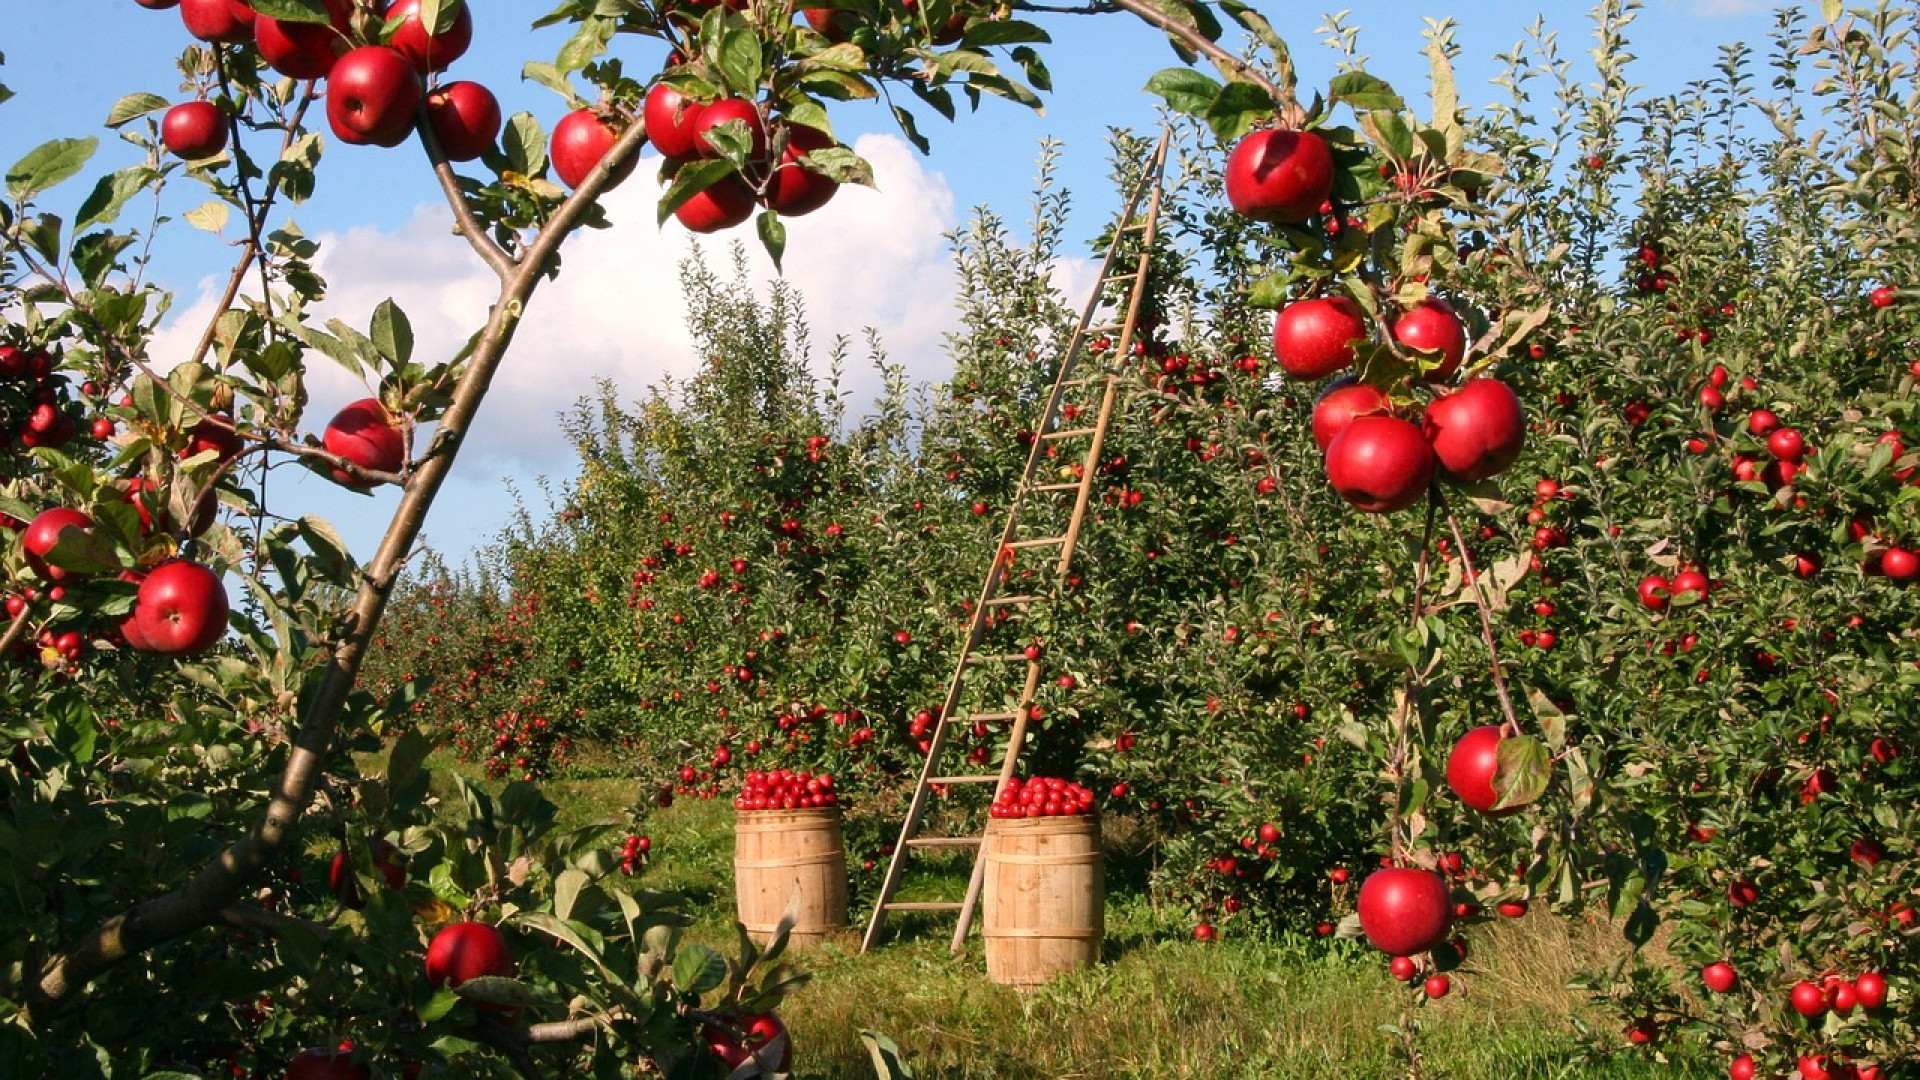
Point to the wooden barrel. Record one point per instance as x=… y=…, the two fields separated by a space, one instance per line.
x=781 y=855
x=1044 y=892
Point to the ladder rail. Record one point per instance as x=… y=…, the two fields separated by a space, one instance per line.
x=1147 y=187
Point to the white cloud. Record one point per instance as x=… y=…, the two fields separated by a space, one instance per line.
x=870 y=258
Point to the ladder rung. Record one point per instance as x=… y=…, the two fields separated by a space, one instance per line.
x=1087 y=380
x=945 y=841
x=992 y=716
x=1008 y=601
x=1070 y=433
x=945 y=905
x=997 y=658
x=1073 y=486
x=1044 y=541
x=980 y=779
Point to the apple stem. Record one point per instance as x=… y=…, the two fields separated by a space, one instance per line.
x=1512 y=724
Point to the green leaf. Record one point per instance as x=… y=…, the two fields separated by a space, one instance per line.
x=48 y=164
x=84 y=552
x=1237 y=108
x=409 y=752
x=912 y=131
x=736 y=54
x=566 y=891
x=551 y=77
x=988 y=32
x=1363 y=92
x=110 y=194
x=1184 y=89
x=440 y=15
x=887 y=1062
x=1523 y=772
x=329 y=550
x=692 y=178
x=698 y=969
x=773 y=235
x=1270 y=291
x=439 y=1005
x=210 y=216
x=392 y=333
x=302 y=11
x=42 y=234
x=524 y=142
x=133 y=107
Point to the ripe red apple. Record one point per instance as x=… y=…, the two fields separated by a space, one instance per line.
x=1380 y=464
x=465 y=117
x=1471 y=766
x=1870 y=990
x=1341 y=402
x=669 y=116
x=1691 y=582
x=323 y=1064
x=43 y=532
x=229 y=22
x=762 y=1030
x=1314 y=338
x=181 y=608
x=1883 y=296
x=304 y=50
x=580 y=140
x=1761 y=422
x=1808 y=999
x=467 y=950
x=794 y=189
x=1404 y=910
x=1437 y=986
x=1899 y=564
x=1275 y=175
x=214 y=433
x=722 y=205
x=367 y=435
x=1654 y=591
x=157 y=5
x=1477 y=431
x=1431 y=326
x=372 y=94
x=428 y=52
x=724 y=111
x=1742 y=893
x=1719 y=976
x=194 y=130
x=1741 y=1068
x=1786 y=444
x=346 y=888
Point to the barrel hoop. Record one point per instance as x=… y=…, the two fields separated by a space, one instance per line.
x=836 y=855
x=1082 y=932
x=1074 y=859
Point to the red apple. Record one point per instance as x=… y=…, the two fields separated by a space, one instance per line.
x=1338 y=406
x=1471 y=767
x=429 y=52
x=43 y=532
x=1742 y=893
x=1314 y=338
x=304 y=50
x=1432 y=327
x=722 y=205
x=157 y=5
x=1741 y=1068
x=669 y=116
x=794 y=189
x=1477 y=431
x=346 y=888
x=1786 y=444
x=1404 y=910
x=1808 y=999
x=367 y=435
x=467 y=950
x=1380 y=464
x=1275 y=175
x=1883 y=296
x=725 y=111
x=1761 y=422
x=1870 y=990
x=228 y=22
x=323 y=1064
x=1654 y=591
x=181 y=608
x=1437 y=986
x=214 y=433
x=761 y=1031
x=1719 y=977
x=194 y=130
x=580 y=140
x=1900 y=564
x=465 y=117
x=1693 y=582
x=372 y=95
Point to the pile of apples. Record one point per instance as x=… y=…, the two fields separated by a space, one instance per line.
x=784 y=789
x=374 y=79
x=1378 y=456
x=1042 y=796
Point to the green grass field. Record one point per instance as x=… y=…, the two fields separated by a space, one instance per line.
x=1161 y=1006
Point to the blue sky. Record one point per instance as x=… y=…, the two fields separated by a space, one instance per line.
x=870 y=259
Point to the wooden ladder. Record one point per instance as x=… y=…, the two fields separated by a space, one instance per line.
x=1057 y=430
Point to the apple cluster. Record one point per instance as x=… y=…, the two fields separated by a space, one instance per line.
x=681 y=128
x=1042 y=796
x=784 y=789
x=33 y=411
x=180 y=607
x=756 y=1040
x=375 y=77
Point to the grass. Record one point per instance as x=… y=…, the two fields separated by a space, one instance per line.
x=1161 y=1006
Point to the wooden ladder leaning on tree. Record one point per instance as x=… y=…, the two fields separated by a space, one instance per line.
x=1126 y=266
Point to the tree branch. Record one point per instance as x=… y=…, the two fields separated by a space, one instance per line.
x=218 y=884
